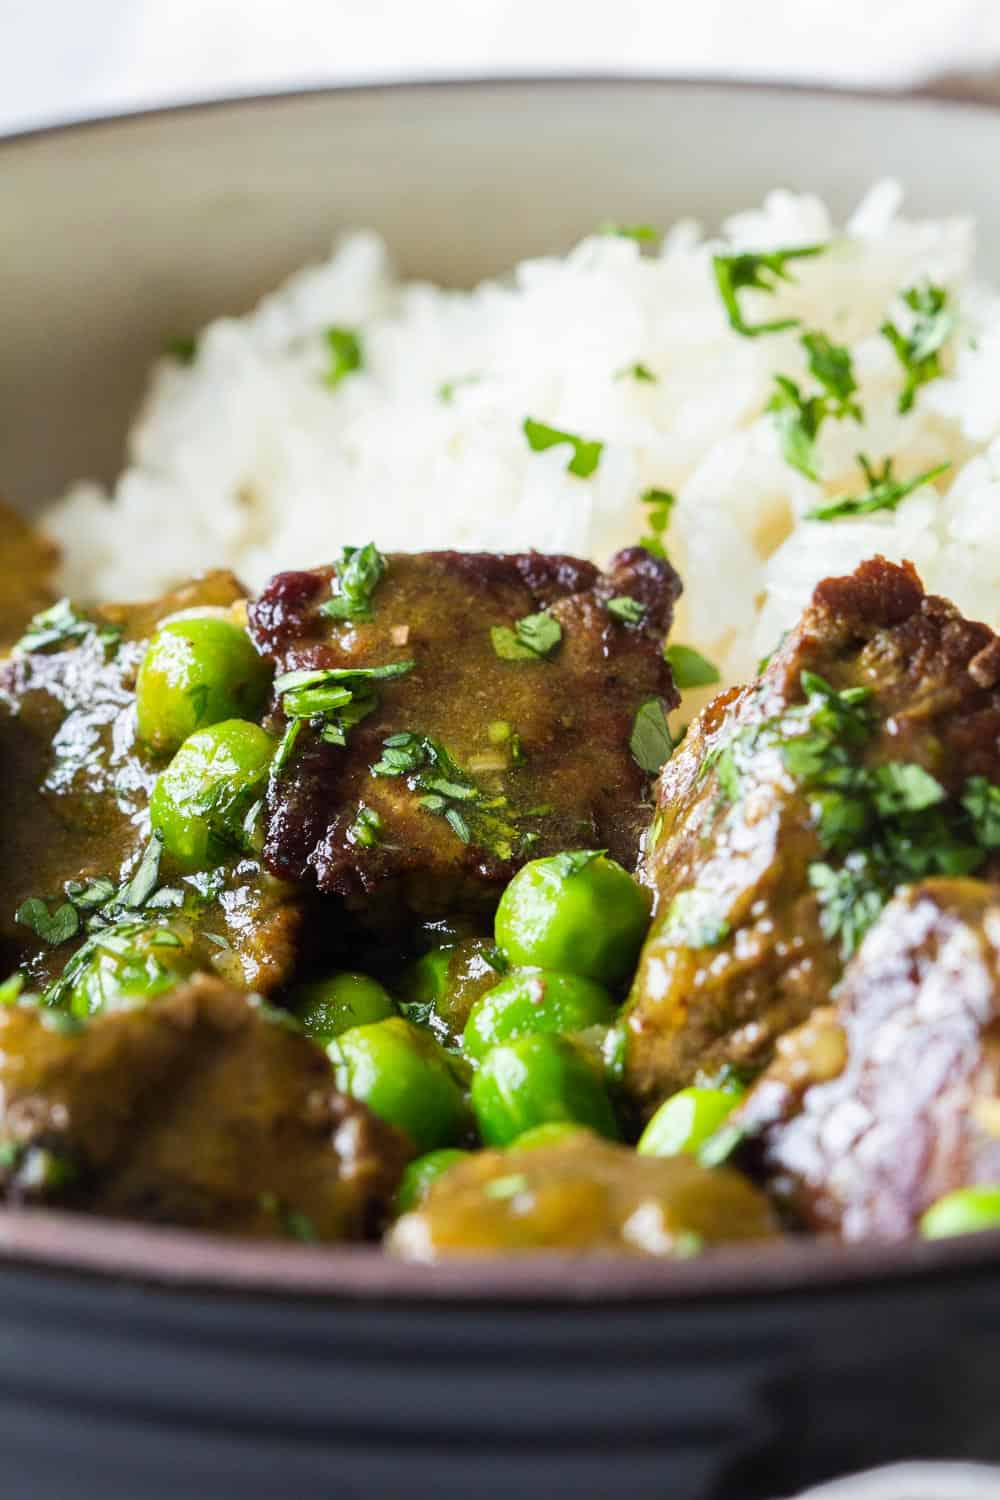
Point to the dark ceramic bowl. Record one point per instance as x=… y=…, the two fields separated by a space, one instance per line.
x=145 y=1364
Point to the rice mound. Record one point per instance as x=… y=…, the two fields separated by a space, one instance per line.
x=248 y=457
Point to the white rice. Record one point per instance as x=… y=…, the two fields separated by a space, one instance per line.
x=248 y=458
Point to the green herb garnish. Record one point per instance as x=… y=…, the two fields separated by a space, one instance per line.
x=639 y=372
x=643 y=233
x=690 y=668
x=53 y=928
x=533 y=638
x=660 y=503
x=883 y=493
x=446 y=391
x=331 y=699
x=366 y=829
x=798 y=417
x=572 y=861
x=919 y=351
x=586 y=453
x=59 y=624
x=182 y=347
x=626 y=609
x=143 y=883
x=345 y=354
x=650 y=742
x=448 y=791
x=359 y=572
x=761 y=272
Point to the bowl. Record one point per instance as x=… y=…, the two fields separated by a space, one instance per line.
x=147 y=1363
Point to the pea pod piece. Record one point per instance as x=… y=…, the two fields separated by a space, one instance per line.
x=421 y=1174
x=530 y=1000
x=580 y=913
x=534 y=1080
x=328 y=1007
x=195 y=673
x=405 y=1077
x=200 y=803
x=967 y=1210
x=686 y=1120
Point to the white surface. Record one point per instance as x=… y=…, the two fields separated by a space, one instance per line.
x=60 y=59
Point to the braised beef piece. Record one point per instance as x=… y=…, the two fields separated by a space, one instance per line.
x=76 y=786
x=27 y=562
x=582 y=1194
x=890 y=1097
x=201 y=1109
x=795 y=806
x=502 y=760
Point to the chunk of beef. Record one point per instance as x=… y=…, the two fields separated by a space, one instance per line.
x=27 y=562
x=889 y=1098
x=785 y=820
x=541 y=744
x=76 y=786
x=582 y=1194
x=198 y=1109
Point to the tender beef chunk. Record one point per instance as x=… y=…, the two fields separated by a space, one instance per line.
x=542 y=743
x=76 y=785
x=198 y=1109
x=780 y=833
x=27 y=562
x=881 y=1103
x=582 y=1194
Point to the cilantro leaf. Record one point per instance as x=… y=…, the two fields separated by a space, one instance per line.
x=332 y=699
x=626 y=609
x=55 y=928
x=144 y=882
x=651 y=742
x=797 y=419
x=359 y=572
x=690 y=668
x=572 y=861
x=750 y=271
x=182 y=347
x=345 y=354
x=533 y=638
x=586 y=453
x=883 y=493
x=981 y=801
x=639 y=372
x=831 y=365
x=366 y=829
x=644 y=234
x=904 y=787
x=59 y=624
x=919 y=351
x=660 y=503
x=448 y=791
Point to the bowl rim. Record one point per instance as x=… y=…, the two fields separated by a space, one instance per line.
x=947 y=92
x=56 y=1242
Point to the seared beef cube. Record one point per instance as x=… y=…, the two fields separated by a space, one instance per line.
x=860 y=760
x=77 y=783
x=202 y=1109
x=485 y=751
x=582 y=1194
x=888 y=1099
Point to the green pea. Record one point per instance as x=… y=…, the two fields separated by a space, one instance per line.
x=685 y=1121
x=422 y=1173
x=328 y=1007
x=533 y=1080
x=405 y=1077
x=201 y=802
x=424 y=981
x=967 y=1210
x=553 y=1133
x=195 y=673
x=534 y=1000
x=439 y=989
x=582 y=915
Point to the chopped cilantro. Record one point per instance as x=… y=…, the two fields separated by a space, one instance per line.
x=644 y=234
x=830 y=365
x=572 y=861
x=660 y=503
x=650 y=742
x=88 y=895
x=53 y=928
x=59 y=624
x=750 y=271
x=359 y=572
x=904 y=787
x=332 y=699
x=345 y=354
x=919 y=351
x=448 y=791
x=981 y=801
x=628 y=610
x=182 y=347
x=143 y=883
x=690 y=668
x=883 y=493
x=366 y=829
x=533 y=638
x=586 y=454
x=798 y=417
x=638 y=371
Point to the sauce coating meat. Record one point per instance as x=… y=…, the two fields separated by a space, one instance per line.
x=796 y=806
x=536 y=743
x=199 y=1109
x=890 y=1098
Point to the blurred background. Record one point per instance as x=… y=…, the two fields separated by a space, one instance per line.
x=60 y=59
